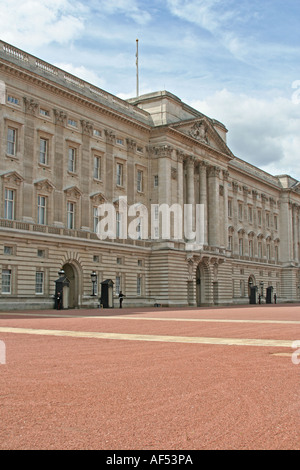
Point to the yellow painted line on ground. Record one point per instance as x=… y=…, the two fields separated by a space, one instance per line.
x=204 y=320
x=160 y=338
x=125 y=317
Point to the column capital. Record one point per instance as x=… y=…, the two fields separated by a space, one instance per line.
x=214 y=171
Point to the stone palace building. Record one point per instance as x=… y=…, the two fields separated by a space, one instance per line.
x=68 y=147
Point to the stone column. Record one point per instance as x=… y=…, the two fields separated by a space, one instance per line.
x=225 y=196
x=190 y=187
x=295 y=232
x=213 y=206
x=85 y=180
x=203 y=195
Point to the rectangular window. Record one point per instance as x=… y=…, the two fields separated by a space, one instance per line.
x=12 y=141
x=118 y=285
x=12 y=99
x=72 y=123
x=44 y=112
x=229 y=208
x=156 y=181
x=70 y=215
x=119 y=174
x=8 y=250
x=241 y=246
x=6 y=281
x=260 y=249
x=95 y=218
x=9 y=204
x=275 y=222
x=240 y=211
x=259 y=217
x=268 y=220
x=230 y=242
x=250 y=248
x=97 y=168
x=44 y=146
x=41 y=216
x=250 y=214
x=139 y=182
x=72 y=160
x=39 y=282
x=268 y=251
x=139 y=285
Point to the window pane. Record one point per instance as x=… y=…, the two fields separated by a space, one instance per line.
x=39 y=283
x=11 y=141
x=6 y=281
x=43 y=151
x=9 y=204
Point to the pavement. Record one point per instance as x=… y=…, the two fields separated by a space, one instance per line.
x=151 y=379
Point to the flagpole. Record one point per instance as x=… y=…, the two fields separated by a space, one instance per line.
x=137 y=67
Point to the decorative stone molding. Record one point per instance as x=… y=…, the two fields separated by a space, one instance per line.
x=60 y=117
x=174 y=173
x=12 y=177
x=87 y=127
x=73 y=191
x=30 y=106
x=44 y=185
x=214 y=171
x=199 y=132
x=161 y=151
x=131 y=145
x=98 y=198
x=110 y=136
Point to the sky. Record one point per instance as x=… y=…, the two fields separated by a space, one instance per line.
x=237 y=61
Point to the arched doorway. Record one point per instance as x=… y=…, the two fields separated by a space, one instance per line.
x=72 y=275
x=202 y=283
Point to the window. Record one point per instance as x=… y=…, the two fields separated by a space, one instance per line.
x=260 y=249
x=230 y=242
x=41 y=253
x=229 y=207
x=259 y=217
x=97 y=168
x=139 y=182
x=268 y=251
x=97 y=133
x=140 y=263
x=12 y=99
x=276 y=254
x=72 y=123
x=44 y=112
x=44 y=148
x=118 y=285
x=250 y=214
x=39 y=282
x=71 y=215
x=95 y=218
x=156 y=181
x=139 y=285
x=72 y=160
x=119 y=174
x=120 y=141
x=9 y=204
x=241 y=246
x=240 y=211
x=118 y=224
x=6 y=281
x=250 y=248
x=268 y=220
x=12 y=141
x=8 y=250
x=275 y=222
x=41 y=216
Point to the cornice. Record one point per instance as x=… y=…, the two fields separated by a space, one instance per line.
x=61 y=90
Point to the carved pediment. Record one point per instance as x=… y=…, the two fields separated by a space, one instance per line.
x=73 y=191
x=98 y=198
x=44 y=185
x=203 y=131
x=12 y=177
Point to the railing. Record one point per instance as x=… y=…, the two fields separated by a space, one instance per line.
x=70 y=79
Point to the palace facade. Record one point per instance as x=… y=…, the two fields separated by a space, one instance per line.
x=68 y=147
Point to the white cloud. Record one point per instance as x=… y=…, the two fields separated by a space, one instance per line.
x=128 y=8
x=264 y=132
x=34 y=23
x=214 y=16
x=83 y=73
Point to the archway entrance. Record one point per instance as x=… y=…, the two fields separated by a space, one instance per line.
x=202 y=285
x=72 y=276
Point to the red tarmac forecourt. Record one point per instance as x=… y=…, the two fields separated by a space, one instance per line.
x=151 y=379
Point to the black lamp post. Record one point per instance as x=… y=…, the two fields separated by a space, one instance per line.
x=94 y=280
